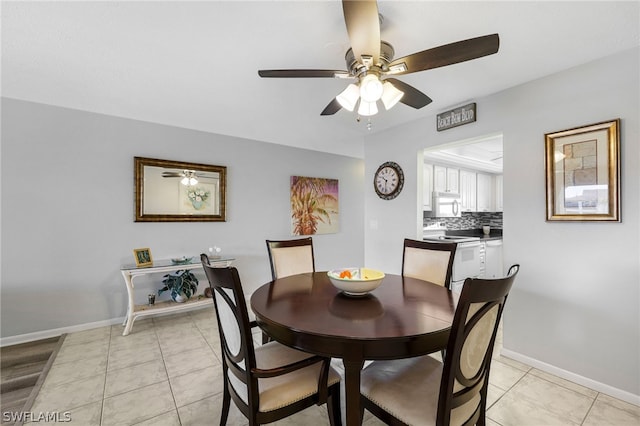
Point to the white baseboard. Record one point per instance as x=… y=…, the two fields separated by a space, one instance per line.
x=45 y=334
x=573 y=377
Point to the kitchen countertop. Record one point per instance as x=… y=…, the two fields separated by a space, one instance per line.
x=496 y=234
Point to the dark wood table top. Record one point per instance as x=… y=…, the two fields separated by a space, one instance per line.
x=403 y=317
x=307 y=312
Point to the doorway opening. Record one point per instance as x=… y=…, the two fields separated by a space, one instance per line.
x=471 y=171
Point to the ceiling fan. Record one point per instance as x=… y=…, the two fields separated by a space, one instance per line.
x=189 y=177
x=370 y=61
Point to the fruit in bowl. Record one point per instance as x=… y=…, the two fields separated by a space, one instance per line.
x=356 y=281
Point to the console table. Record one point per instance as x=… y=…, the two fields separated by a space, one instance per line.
x=129 y=272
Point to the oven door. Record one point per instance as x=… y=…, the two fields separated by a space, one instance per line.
x=467 y=262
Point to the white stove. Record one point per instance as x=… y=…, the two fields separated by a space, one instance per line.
x=469 y=257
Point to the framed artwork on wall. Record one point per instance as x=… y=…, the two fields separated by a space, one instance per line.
x=143 y=257
x=583 y=173
x=314 y=206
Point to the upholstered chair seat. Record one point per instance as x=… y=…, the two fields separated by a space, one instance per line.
x=387 y=383
x=280 y=391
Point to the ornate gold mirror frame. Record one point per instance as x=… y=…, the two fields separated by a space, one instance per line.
x=174 y=191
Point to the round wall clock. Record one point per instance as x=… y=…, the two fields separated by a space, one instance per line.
x=388 y=180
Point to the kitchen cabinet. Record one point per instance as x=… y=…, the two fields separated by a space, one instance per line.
x=427 y=187
x=467 y=191
x=445 y=179
x=484 y=192
x=498 y=193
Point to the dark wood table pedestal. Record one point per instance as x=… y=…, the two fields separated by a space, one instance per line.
x=402 y=318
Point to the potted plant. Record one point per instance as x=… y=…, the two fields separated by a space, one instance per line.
x=183 y=284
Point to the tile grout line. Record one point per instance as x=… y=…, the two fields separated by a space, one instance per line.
x=175 y=403
x=593 y=403
x=106 y=370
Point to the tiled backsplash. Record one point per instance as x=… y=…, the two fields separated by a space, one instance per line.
x=468 y=220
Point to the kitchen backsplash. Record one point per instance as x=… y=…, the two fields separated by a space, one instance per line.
x=468 y=220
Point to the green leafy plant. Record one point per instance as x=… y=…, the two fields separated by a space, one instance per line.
x=180 y=282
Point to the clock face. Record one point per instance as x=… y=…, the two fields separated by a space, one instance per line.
x=388 y=180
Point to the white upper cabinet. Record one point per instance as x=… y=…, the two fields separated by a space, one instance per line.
x=439 y=179
x=485 y=192
x=468 y=191
x=445 y=179
x=427 y=187
x=498 y=192
x=479 y=191
x=453 y=184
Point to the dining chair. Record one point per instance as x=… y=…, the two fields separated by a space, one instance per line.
x=268 y=382
x=426 y=391
x=429 y=261
x=290 y=257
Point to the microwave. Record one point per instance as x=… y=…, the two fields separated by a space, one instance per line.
x=446 y=204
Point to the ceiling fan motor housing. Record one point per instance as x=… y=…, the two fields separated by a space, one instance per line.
x=356 y=67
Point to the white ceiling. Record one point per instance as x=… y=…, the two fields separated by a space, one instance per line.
x=194 y=64
x=482 y=153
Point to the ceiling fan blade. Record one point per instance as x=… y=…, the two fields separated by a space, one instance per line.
x=304 y=73
x=412 y=96
x=363 y=26
x=448 y=54
x=333 y=107
x=172 y=174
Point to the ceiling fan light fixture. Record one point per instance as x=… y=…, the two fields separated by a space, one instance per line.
x=367 y=108
x=189 y=178
x=349 y=97
x=370 y=88
x=390 y=95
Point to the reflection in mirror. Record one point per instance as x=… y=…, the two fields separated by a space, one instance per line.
x=172 y=191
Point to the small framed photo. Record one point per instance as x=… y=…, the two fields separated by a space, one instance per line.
x=583 y=173
x=143 y=257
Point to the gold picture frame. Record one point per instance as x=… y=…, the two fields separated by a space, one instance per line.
x=583 y=173
x=176 y=191
x=143 y=257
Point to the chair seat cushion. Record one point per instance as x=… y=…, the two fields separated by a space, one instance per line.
x=277 y=392
x=409 y=389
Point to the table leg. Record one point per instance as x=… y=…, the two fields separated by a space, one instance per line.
x=128 y=320
x=352 y=370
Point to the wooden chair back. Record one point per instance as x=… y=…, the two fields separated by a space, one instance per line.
x=290 y=257
x=465 y=376
x=429 y=261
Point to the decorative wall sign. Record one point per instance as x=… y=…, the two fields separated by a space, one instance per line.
x=314 y=206
x=583 y=173
x=456 y=117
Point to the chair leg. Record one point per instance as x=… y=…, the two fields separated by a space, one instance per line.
x=226 y=402
x=333 y=405
x=265 y=338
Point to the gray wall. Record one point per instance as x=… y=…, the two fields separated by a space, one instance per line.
x=67 y=211
x=575 y=307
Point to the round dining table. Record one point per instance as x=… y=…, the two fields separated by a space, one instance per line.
x=403 y=317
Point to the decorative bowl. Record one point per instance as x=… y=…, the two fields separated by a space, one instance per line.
x=356 y=281
x=181 y=260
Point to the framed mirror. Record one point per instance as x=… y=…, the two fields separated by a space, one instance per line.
x=174 y=191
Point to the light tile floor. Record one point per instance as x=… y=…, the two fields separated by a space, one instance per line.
x=167 y=372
